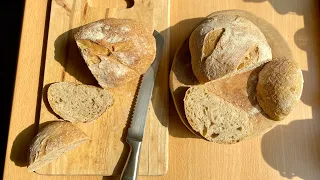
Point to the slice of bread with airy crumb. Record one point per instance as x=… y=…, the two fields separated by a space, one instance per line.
x=52 y=141
x=77 y=102
x=214 y=118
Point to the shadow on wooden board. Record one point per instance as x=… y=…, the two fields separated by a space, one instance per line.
x=20 y=147
x=66 y=52
x=178 y=34
x=294 y=149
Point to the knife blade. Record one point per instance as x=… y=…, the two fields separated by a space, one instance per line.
x=139 y=117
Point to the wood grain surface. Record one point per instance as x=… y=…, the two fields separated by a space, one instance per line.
x=107 y=151
x=291 y=150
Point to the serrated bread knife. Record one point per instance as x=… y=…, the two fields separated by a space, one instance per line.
x=138 y=122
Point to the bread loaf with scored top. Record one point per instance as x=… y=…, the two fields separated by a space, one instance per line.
x=224 y=45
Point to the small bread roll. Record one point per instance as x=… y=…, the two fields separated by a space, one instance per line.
x=279 y=87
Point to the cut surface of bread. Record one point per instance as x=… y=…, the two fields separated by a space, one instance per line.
x=52 y=141
x=224 y=45
x=116 y=50
x=279 y=87
x=214 y=118
x=77 y=102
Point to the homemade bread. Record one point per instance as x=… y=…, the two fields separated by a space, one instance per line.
x=279 y=87
x=77 y=102
x=116 y=50
x=52 y=141
x=214 y=118
x=224 y=45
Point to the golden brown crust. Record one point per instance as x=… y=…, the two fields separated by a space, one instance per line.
x=279 y=87
x=54 y=137
x=116 y=50
x=224 y=45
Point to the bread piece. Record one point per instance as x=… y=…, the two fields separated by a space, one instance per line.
x=116 y=50
x=224 y=45
x=214 y=118
x=78 y=103
x=279 y=87
x=52 y=141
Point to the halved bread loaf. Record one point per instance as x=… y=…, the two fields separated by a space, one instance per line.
x=224 y=45
x=116 y=50
x=77 y=102
x=279 y=87
x=52 y=141
x=214 y=118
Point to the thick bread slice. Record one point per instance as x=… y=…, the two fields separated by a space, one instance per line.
x=279 y=87
x=77 y=102
x=224 y=45
x=116 y=50
x=52 y=141
x=214 y=118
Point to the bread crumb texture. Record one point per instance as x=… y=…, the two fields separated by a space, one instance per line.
x=52 y=141
x=116 y=50
x=279 y=87
x=214 y=118
x=77 y=102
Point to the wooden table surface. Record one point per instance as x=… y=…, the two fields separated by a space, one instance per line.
x=291 y=150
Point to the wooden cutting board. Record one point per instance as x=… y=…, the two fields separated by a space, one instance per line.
x=239 y=90
x=106 y=152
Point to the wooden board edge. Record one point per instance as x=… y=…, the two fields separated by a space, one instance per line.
x=29 y=58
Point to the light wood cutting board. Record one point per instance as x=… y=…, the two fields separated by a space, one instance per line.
x=106 y=152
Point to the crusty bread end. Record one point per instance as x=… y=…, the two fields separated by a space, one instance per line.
x=52 y=141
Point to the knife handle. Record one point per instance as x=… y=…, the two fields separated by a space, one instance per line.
x=130 y=170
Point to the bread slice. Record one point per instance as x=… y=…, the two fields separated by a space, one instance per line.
x=279 y=87
x=225 y=45
x=214 y=118
x=78 y=103
x=52 y=141
x=116 y=50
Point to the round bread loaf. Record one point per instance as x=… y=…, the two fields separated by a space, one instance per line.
x=116 y=50
x=279 y=87
x=224 y=45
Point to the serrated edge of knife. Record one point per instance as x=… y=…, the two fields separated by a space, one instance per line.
x=136 y=96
